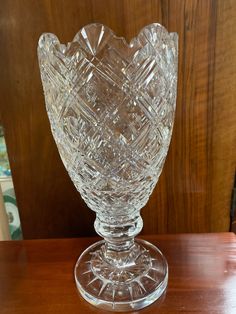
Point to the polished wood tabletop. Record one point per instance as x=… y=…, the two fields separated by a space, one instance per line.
x=36 y=276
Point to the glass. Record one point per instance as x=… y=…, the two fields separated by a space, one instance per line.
x=111 y=108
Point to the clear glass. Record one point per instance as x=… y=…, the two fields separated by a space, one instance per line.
x=111 y=108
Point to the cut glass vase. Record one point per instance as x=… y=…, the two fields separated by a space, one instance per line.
x=111 y=108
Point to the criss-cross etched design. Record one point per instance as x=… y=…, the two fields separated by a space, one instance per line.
x=111 y=108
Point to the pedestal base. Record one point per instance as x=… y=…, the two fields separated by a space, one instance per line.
x=120 y=286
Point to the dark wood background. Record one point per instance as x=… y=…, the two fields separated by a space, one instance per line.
x=193 y=193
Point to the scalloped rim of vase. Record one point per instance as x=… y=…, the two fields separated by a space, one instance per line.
x=64 y=46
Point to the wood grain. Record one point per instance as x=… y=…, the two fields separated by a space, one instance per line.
x=193 y=193
x=36 y=276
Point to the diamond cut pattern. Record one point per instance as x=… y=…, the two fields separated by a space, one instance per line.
x=111 y=107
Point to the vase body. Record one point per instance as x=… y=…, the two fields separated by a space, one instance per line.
x=111 y=108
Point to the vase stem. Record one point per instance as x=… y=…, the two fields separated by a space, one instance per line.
x=123 y=271
x=118 y=233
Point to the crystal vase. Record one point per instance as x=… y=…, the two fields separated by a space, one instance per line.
x=111 y=108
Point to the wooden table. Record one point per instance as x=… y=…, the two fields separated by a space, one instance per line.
x=36 y=276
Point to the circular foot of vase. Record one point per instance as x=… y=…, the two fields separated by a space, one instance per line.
x=132 y=285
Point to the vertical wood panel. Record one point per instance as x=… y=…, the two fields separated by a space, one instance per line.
x=193 y=193
x=223 y=144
